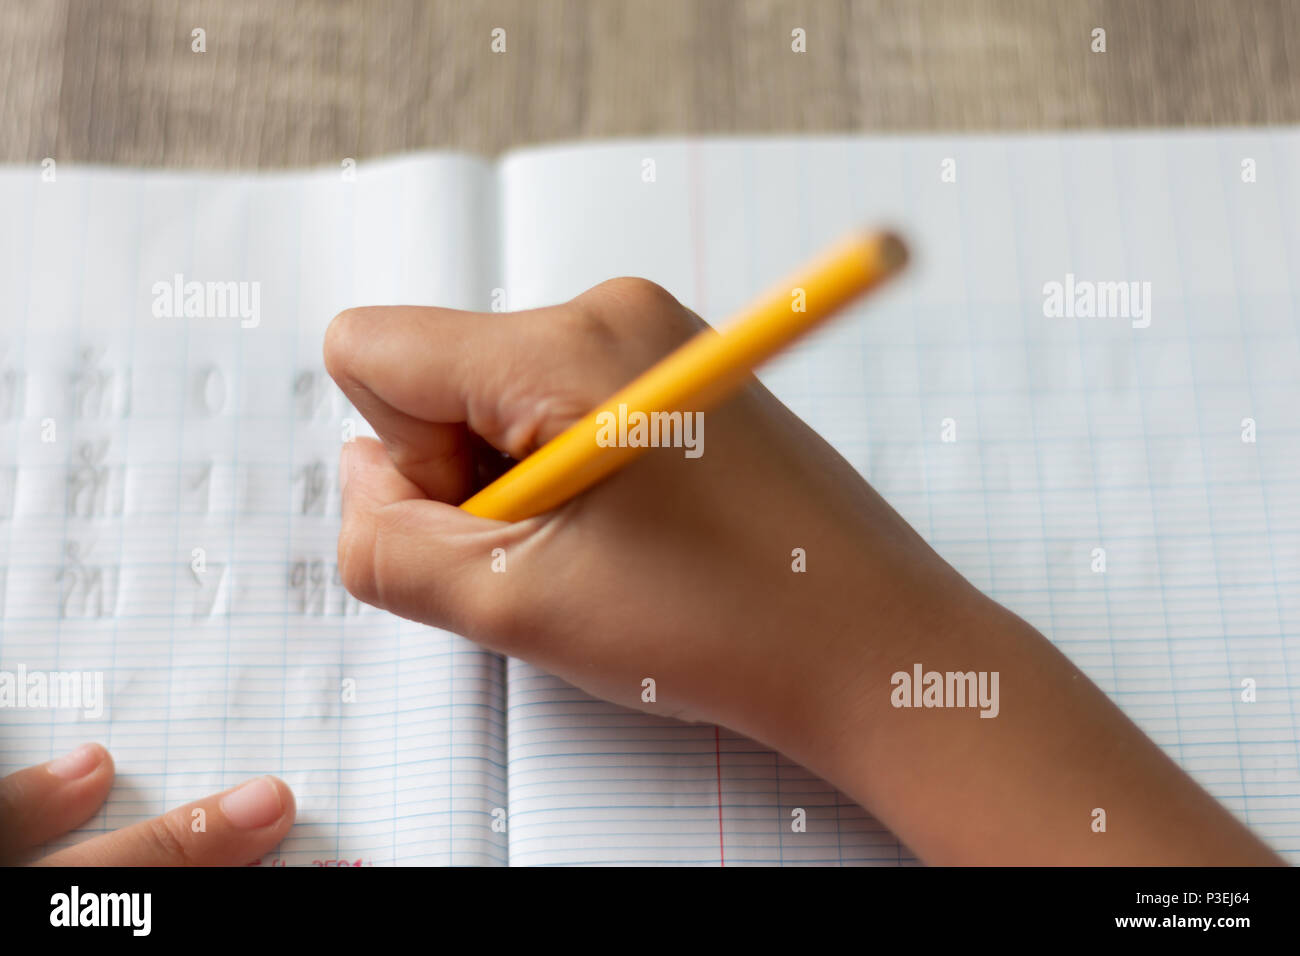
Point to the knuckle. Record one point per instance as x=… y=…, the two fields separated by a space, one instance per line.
x=638 y=292
x=169 y=836
x=587 y=321
x=641 y=310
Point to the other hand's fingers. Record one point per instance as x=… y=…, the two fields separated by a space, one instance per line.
x=39 y=803
x=226 y=829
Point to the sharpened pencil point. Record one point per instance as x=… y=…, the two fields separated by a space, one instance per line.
x=892 y=251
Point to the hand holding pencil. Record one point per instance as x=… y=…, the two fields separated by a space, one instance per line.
x=698 y=375
x=763 y=586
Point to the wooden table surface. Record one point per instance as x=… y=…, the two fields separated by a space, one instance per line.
x=314 y=81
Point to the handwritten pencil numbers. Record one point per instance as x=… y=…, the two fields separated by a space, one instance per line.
x=317 y=590
x=308 y=580
x=312 y=480
x=8 y=482
x=348 y=605
x=211 y=585
x=98 y=390
x=197 y=487
x=89 y=478
x=309 y=393
x=13 y=397
x=85 y=590
x=315 y=396
x=210 y=391
x=8 y=485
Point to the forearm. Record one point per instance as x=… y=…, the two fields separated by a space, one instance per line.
x=1033 y=784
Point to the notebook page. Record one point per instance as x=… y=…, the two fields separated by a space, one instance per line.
x=170 y=495
x=595 y=784
x=1131 y=487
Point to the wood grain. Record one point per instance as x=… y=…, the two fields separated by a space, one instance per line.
x=297 y=83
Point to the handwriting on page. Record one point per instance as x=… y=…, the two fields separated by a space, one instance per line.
x=169 y=502
x=96 y=477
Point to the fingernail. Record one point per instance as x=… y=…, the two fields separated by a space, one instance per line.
x=253 y=805
x=77 y=763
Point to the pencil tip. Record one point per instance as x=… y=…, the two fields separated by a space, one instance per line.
x=892 y=251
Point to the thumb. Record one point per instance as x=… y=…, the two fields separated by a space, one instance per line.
x=421 y=559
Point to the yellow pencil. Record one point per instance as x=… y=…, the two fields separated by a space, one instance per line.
x=696 y=377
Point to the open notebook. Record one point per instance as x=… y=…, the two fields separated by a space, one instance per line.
x=1019 y=443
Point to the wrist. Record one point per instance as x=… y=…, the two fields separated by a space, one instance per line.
x=831 y=691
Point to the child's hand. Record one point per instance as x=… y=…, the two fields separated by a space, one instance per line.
x=682 y=570
x=676 y=569
x=43 y=802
